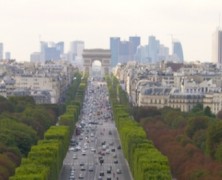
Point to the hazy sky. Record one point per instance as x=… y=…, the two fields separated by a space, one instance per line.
x=24 y=22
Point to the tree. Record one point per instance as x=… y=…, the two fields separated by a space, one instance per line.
x=17 y=134
x=207 y=112
x=197 y=108
x=195 y=124
x=219 y=115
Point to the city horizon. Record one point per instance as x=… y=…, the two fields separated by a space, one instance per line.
x=26 y=23
x=67 y=47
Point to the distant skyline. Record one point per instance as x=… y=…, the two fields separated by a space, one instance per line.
x=25 y=22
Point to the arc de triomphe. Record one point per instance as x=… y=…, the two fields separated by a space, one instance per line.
x=102 y=55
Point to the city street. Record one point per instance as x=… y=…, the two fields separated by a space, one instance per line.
x=95 y=151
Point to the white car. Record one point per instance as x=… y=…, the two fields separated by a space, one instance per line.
x=81 y=176
x=78 y=147
x=74 y=156
x=118 y=171
x=93 y=149
x=71 y=148
x=83 y=152
x=91 y=168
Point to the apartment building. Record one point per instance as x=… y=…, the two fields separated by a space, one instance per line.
x=182 y=87
x=154 y=97
x=49 y=84
x=46 y=83
x=184 y=102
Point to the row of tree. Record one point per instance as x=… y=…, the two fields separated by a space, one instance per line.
x=145 y=161
x=201 y=127
x=22 y=123
x=45 y=159
x=191 y=141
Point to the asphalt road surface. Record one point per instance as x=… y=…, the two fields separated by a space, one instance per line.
x=95 y=152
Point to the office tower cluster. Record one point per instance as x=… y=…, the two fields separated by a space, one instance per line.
x=123 y=51
x=51 y=51
x=153 y=52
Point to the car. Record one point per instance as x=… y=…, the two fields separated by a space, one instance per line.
x=74 y=156
x=71 y=148
x=75 y=150
x=100 y=178
x=82 y=164
x=111 y=144
x=93 y=149
x=72 y=173
x=101 y=173
x=115 y=156
x=103 y=143
x=109 y=170
x=83 y=152
x=118 y=171
x=109 y=178
x=85 y=147
x=119 y=147
x=91 y=168
x=78 y=147
x=82 y=168
x=81 y=176
x=116 y=161
x=104 y=147
x=72 y=177
x=107 y=151
x=73 y=142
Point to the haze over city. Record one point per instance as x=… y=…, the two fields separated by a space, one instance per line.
x=25 y=22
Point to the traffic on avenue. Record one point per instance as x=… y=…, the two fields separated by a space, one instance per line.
x=95 y=150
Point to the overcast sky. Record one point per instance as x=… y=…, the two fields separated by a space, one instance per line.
x=24 y=22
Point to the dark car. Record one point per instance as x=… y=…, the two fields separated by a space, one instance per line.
x=101 y=173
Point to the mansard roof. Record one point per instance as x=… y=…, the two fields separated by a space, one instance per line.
x=157 y=91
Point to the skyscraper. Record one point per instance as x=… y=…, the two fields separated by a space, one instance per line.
x=142 y=54
x=60 y=47
x=153 y=49
x=178 y=51
x=124 y=48
x=217 y=46
x=76 y=50
x=134 y=42
x=1 y=51
x=7 y=55
x=75 y=53
x=163 y=52
x=114 y=48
